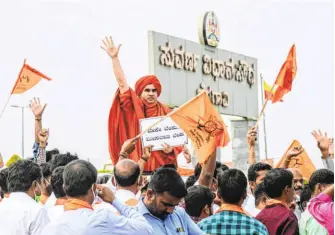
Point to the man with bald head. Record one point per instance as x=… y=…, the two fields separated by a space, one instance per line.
x=129 y=106
x=298 y=184
x=126 y=175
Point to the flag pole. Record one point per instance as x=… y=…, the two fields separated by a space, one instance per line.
x=264 y=105
x=264 y=125
x=3 y=110
x=169 y=114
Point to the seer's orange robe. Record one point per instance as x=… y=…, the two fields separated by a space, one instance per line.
x=127 y=109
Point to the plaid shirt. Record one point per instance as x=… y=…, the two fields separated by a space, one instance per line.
x=231 y=222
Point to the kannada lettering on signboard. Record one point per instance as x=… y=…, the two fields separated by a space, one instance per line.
x=180 y=59
x=167 y=131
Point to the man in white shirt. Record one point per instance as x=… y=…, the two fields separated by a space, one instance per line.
x=21 y=214
x=256 y=174
x=56 y=181
x=58 y=160
x=79 y=218
x=127 y=174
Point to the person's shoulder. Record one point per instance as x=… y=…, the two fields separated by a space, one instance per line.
x=292 y=216
x=257 y=224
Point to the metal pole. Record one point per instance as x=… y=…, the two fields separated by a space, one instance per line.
x=264 y=125
x=22 y=132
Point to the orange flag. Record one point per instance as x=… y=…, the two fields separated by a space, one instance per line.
x=203 y=125
x=267 y=91
x=302 y=162
x=286 y=76
x=28 y=78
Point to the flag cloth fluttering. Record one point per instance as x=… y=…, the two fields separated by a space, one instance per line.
x=28 y=78
x=203 y=125
x=286 y=76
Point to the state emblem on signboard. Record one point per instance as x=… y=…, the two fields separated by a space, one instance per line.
x=209 y=29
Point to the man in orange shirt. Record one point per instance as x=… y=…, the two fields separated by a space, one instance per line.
x=129 y=106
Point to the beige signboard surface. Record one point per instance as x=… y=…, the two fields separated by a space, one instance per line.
x=185 y=68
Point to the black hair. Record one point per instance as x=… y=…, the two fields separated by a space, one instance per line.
x=190 y=181
x=128 y=179
x=173 y=166
x=197 y=170
x=197 y=198
x=253 y=169
x=78 y=177
x=3 y=180
x=103 y=179
x=22 y=174
x=224 y=167
x=321 y=176
x=46 y=169
x=50 y=154
x=305 y=194
x=232 y=185
x=259 y=193
x=167 y=180
x=62 y=160
x=57 y=182
x=276 y=180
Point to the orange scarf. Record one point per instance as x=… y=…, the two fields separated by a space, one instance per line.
x=74 y=204
x=230 y=207
x=60 y=201
x=274 y=201
x=44 y=199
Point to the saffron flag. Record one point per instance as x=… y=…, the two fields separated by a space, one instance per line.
x=203 y=125
x=267 y=91
x=286 y=76
x=302 y=162
x=28 y=78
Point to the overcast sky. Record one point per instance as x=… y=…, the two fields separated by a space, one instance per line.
x=62 y=39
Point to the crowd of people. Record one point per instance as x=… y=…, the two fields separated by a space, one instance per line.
x=56 y=193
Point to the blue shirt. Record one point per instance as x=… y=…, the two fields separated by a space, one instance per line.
x=177 y=223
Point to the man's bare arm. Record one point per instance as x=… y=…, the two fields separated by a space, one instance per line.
x=37 y=109
x=145 y=157
x=207 y=171
x=113 y=52
x=294 y=152
x=252 y=138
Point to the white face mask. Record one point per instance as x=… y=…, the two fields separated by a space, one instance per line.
x=95 y=195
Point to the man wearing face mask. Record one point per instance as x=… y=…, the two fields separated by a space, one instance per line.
x=21 y=214
x=160 y=204
x=79 y=183
x=46 y=186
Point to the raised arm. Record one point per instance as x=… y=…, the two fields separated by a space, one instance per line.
x=43 y=139
x=294 y=152
x=145 y=157
x=37 y=109
x=252 y=138
x=113 y=52
x=207 y=171
x=326 y=147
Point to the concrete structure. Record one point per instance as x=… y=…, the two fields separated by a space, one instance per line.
x=185 y=68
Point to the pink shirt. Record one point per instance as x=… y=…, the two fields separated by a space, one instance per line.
x=322 y=209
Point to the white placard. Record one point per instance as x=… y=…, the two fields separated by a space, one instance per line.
x=167 y=131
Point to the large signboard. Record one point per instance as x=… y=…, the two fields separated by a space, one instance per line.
x=185 y=68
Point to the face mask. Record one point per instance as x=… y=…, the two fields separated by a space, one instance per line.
x=36 y=197
x=95 y=195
